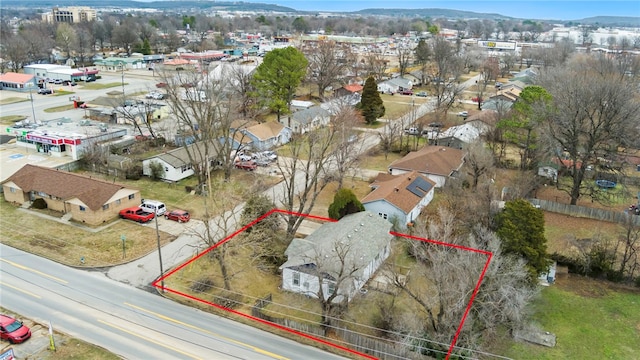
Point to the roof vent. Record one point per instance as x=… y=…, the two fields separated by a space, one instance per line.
x=356 y=229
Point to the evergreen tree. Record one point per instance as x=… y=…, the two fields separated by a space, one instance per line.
x=344 y=203
x=371 y=104
x=520 y=227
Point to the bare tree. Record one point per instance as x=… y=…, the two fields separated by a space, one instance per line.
x=629 y=242
x=375 y=65
x=347 y=146
x=327 y=60
x=84 y=46
x=389 y=135
x=422 y=56
x=305 y=173
x=125 y=35
x=447 y=69
x=66 y=38
x=405 y=55
x=15 y=53
x=501 y=300
x=593 y=113
x=478 y=161
x=488 y=73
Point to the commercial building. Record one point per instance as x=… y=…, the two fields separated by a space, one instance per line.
x=74 y=14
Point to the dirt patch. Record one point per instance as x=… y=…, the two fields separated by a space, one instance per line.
x=592 y=288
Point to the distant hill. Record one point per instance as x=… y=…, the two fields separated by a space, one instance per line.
x=186 y=5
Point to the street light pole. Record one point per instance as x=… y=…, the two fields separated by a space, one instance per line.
x=33 y=110
x=159 y=253
x=122 y=68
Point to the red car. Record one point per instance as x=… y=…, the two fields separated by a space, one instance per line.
x=178 y=215
x=161 y=85
x=246 y=165
x=13 y=330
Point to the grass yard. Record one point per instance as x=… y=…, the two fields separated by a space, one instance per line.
x=66 y=243
x=59 y=108
x=591 y=319
x=12 y=100
x=11 y=119
x=98 y=85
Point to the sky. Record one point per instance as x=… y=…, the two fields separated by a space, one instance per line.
x=524 y=9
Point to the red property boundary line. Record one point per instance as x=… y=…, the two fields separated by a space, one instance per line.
x=307 y=336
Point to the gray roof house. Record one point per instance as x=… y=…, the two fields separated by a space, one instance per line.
x=361 y=239
x=460 y=135
x=307 y=120
x=177 y=164
x=265 y=136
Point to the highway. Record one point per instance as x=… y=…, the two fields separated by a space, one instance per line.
x=131 y=322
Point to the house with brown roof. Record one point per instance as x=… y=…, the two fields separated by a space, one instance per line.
x=348 y=90
x=18 y=82
x=399 y=198
x=438 y=163
x=88 y=200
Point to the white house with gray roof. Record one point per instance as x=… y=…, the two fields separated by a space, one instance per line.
x=344 y=254
x=307 y=120
x=177 y=164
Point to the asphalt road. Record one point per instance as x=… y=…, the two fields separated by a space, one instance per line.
x=130 y=322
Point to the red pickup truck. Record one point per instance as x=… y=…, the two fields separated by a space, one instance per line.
x=247 y=165
x=136 y=214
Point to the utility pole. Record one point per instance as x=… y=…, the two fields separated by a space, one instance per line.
x=159 y=253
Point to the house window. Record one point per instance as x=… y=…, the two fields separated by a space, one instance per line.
x=332 y=288
x=118 y=202
x=105 y=206
x=296 y=279
x=132 y=196
x=82 y=208
x=12 y=190
x=384 y=216
x=43 y=194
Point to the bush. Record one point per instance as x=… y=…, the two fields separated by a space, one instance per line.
x=202 y=285
x=39 y=203
x=134 y=173
x=157 y=170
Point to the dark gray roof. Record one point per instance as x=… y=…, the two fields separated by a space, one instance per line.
x=363 y=234
x=307 y=115
x=180 y=156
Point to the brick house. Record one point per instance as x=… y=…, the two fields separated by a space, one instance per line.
x=88 y=200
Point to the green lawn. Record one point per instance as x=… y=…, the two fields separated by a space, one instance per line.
x=11 y=119
x=590 y=319
x=98 y=85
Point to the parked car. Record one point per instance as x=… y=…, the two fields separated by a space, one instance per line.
x=412 y=131
x=268 y=154
x=155 y=95
x=57 y=81
x=247 y=165
x=161 y=85
x=435 y=124
x=180 y=216
x=244 y=157
x=262 y=162
x=406 y=92
x=498 y=84
x=136 y=214
x=45 y=91
x=476 y=99
x=463 y=113
x=422 y=94
x=13 y=330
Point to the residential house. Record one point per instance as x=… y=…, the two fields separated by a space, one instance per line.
x=18 y=82
x=485 y=119
x=549 y=170
x=348 y=90
x=88 y=200
x=438 y=163
x=399 y=198
x=307 y=120
x=526 y=76
x=265 y=136
x=179 y=164
x=395 y=85
x=119 y=64
x=461 y=135
x=362 y=240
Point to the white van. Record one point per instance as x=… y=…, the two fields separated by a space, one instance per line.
x=153 y=206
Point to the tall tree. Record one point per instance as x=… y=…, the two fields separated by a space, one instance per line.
x=278 y=76
x=422 y=56
x=520 y=226
x=593 y=113
x=66 y=38
x=521 y=128
x=447 y=69
x=371 y=104
x=326 y=64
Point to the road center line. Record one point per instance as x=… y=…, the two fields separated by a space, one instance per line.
x=164 y=317
x=34 y=271
x=149 y=339
x=22 y=291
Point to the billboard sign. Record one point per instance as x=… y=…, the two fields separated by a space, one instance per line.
x=498 y=45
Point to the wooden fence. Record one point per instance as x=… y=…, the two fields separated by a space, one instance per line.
x=586 y=212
